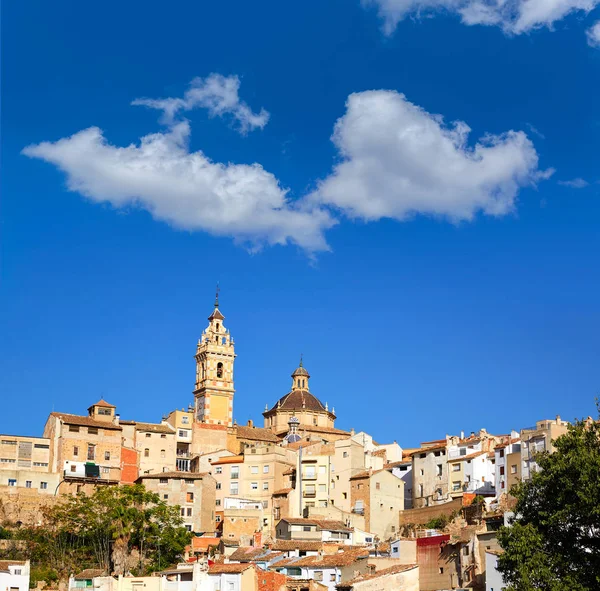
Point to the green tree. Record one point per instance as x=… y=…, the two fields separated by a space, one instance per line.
x=554 y=542
x=102 y=529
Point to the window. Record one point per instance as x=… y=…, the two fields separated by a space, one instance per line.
x=28 y=484
x=75 y=450
x=437 y=454
x=219 y=370
x=218 y=486
x=235 y=472
x=146 y=453
x=466 y=550
x=105 y=470
x=218 y=502
x=377 y=486
x=12 y=482
x=310 y=472
x=345 y=454
x=253 y=469
x=420 y=490
x=73 y=468
x=322 y=488
x=183 y=433
x=91 y=454
x=189 y=511
x=74 y=428
x=148 y=434
x=501 y=453
x=455 y=485
x=217 y=518
x=421 y=472
x=43 y=485
x=10 y=461
x=441 y=570
x=501 y=470
x=104 y=411
x=107 y=455
x=265 y=469
x=265 y=504
x=254 y=486
x=332 y=577
x=182 y=511
x=359 y=486
x=189 y=497
x=318 y=575
x=185 y=420
x=513 y=469
x=165 y=497
x=438 y=469
x=40 y=464
x=189 y=481
x=233 y=488
x=455 y=467
x=265 y=486
x=462 y=451
x=17 y=571
x=162 y=453
x=306 y=528
x=41 y=446
x=9 y=442
x=93 y=430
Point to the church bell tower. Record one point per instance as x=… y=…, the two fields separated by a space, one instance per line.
x=214 y=389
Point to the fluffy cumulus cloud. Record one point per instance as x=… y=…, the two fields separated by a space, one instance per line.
x=397 y=160
x=513 y=16
x=219 y=94
x=184 y=188
x=593 y=35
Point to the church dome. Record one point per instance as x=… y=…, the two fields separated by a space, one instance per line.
x=298 y=400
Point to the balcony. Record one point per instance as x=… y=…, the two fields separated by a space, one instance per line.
x=183 y=454
x=309 y=494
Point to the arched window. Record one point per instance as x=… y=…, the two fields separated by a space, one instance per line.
x=217 y=329
x=219 y=370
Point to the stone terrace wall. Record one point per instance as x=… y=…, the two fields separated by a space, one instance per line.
x=424 y=514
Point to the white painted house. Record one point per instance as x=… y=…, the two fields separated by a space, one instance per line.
x=493 y=579
x=14 y=575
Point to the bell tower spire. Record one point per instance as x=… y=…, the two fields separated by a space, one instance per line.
x=215 y=356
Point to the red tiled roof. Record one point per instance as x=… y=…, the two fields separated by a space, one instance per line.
x=469 y=457
x=256 y=434
x=289 y=545
x=151 y=427
x=426 y=450
x=231 y=568
x=392 y=570
x=297 y=400
x=322 y=524
x=283 y=491
x=329 y=560
x=84 y=421
x=103 y=403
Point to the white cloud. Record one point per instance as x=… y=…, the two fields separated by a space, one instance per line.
x=219 y=94
x=593 y=35
x=577 y=183
x=398 y=160
x=185 y=189
x=513 y=16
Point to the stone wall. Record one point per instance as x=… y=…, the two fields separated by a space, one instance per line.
x=424 y=514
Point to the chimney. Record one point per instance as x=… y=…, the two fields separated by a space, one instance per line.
x=116 y=419
x=250 y=423
x=558 y=419
x=462 y=434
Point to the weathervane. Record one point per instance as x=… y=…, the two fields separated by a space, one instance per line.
x=217 y=295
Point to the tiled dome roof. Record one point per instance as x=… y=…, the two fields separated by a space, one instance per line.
x=298 y=400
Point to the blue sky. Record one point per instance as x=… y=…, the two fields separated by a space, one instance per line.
x=307 y=157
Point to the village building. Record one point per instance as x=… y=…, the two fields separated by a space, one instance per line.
x=538 y=439
x=14 y=575
x=194 y=493
x=400 y=577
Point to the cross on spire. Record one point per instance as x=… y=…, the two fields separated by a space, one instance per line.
x=301 y=355
x=217 y=295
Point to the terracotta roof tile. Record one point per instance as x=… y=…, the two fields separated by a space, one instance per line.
x=289 y=545
x=230 y=568
x=90 y=573
x=103 y=403
x=327 y=561
x=392 y=570
x=283 y=491
x=4 y=564
x=469 y=457
x=153 y=427
x=84 y=421
x=252 y=554
x=297 y=400
x=256 y=434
